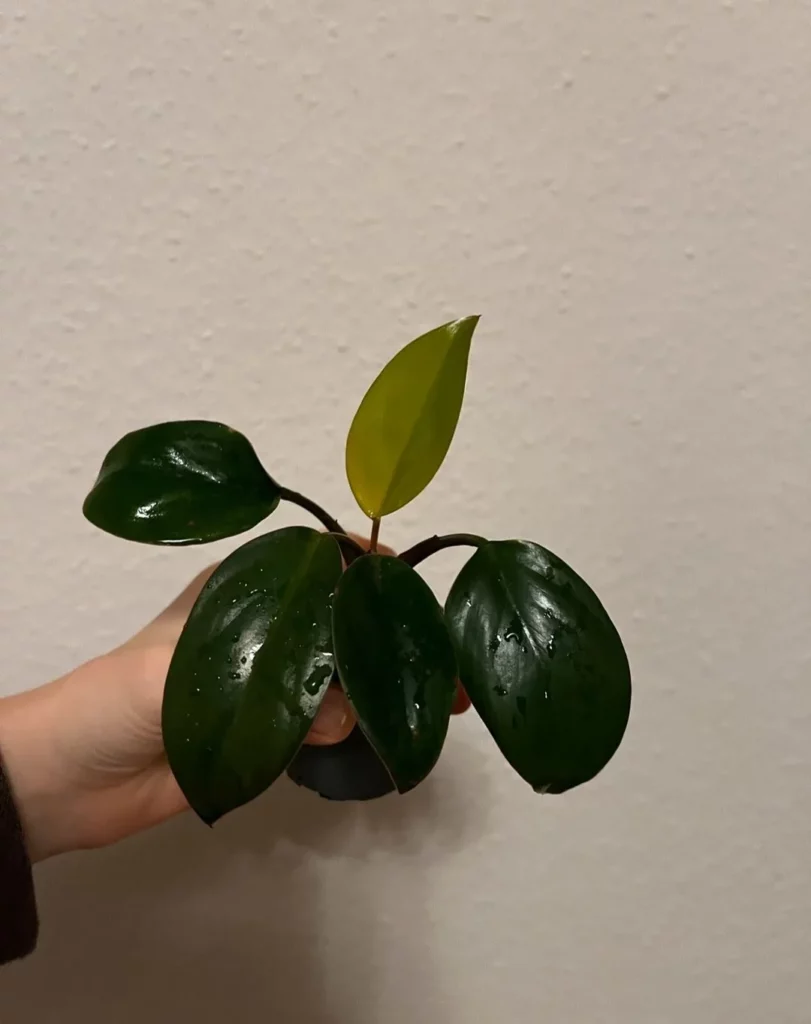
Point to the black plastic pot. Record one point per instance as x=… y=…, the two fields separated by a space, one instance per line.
x=349 y=770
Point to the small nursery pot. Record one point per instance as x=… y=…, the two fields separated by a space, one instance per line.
x=349 y=770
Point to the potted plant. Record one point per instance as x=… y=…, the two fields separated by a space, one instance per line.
x=296 y=610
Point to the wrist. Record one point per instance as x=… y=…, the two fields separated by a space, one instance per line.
x=28 y=724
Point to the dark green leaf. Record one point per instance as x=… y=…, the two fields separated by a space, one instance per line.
x=541 y=661
x=187 y=482
x=396 y=663
x=250 y=668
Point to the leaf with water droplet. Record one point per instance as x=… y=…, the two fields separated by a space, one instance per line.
x=246 y=725
x=184 y=482
x=404 y=426
x=316 y=679
x=396 y=663
x=557 y=702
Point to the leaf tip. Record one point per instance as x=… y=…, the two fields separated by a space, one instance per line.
x=405 y=787
x=468 y=324
x=87 y=507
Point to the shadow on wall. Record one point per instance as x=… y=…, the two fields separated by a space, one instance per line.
x=183 y=924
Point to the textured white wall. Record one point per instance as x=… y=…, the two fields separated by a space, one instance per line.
x=239 y=210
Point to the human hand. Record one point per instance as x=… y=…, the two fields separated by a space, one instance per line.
x=85 y=755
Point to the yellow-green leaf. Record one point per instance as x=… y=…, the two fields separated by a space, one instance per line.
x=405 y=424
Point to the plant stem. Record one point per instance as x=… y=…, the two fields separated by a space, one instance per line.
x=350 y=548
x=375 y=534
x=431 y=545
x=332 y=525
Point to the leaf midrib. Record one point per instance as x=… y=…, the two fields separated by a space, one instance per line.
x=289 y=592
x=415 y=420
x=511 y=597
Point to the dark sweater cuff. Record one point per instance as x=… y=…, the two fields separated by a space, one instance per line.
x=18 y=909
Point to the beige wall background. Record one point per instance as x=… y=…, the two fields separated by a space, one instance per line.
x=239 y=211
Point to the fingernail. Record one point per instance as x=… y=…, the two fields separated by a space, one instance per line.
x=461 y=701
x=333 y=715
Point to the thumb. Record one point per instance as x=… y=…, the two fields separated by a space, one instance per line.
x=334 y=721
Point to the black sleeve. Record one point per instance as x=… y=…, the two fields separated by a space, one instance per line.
x=18 y=909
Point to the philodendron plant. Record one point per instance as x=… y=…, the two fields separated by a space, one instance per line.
x=296 y=610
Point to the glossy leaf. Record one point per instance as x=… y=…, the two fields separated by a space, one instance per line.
x=250 y=668
x=396 y=663
x=186 y=482
x=406 y=421
x=541 y=661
